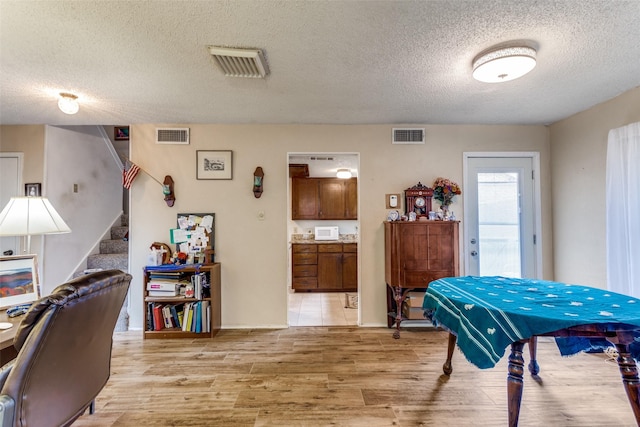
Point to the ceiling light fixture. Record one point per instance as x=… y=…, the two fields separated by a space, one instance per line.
x=68 y=103
x=344 y=173
x=504 y=64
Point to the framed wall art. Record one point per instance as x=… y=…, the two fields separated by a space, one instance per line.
x=214 y=164
x=33 y=189
x=121 y=133
x=18 y=280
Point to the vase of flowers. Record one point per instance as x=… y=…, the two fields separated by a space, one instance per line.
x=443 y=191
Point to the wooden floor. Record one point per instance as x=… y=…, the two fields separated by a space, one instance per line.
x=344 y=376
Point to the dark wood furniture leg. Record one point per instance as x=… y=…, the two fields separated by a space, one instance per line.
x=390 y=299
x=399 y=297
x=629 y=371
x=514 y=382
x=533 y=363
x=447 y=368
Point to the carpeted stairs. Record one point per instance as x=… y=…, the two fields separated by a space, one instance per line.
x=114 y=253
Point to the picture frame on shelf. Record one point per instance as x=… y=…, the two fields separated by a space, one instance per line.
x=214 y=164
x=33 y=189
x=121 y=133
x=18 y=280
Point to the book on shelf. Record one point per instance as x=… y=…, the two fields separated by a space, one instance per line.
x=198 y=315
x=158 y=320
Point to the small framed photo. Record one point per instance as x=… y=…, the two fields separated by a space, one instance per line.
x=121 y=133
x=33 y=189
x=18 y=280
x=215 y=164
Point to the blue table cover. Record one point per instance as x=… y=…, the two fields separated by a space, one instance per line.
x=489 y=313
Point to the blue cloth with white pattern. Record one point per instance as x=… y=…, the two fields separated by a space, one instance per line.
x=487 y=314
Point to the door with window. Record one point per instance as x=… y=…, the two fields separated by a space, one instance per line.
x=500 y=216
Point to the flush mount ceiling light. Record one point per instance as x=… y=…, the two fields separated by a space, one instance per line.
x=344 y=173
x=68 y=103
x=504 y=64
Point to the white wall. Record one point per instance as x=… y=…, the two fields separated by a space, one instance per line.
x=78 y=155
x=253 y=253
x=578 y=160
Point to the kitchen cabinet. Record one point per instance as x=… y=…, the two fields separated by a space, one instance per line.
x=325 y=267
x=324 y=198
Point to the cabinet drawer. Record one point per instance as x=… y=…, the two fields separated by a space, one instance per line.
x=304 y=283
x=302 y=248
x=309 y=270
x=330 y=248
x=350 y=247
x=305 y=259
x=418 y=279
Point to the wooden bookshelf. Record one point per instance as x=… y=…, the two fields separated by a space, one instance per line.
x=212 y=272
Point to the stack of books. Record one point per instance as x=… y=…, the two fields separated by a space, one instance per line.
x=166 y=284
x=190 y=317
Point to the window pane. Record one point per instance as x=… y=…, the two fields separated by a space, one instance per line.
x=499 y=224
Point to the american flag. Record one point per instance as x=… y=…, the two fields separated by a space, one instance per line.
x=128 y=175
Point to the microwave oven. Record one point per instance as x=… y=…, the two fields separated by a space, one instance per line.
x=327 y=233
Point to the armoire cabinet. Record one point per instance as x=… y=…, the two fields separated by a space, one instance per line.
x=416 y=253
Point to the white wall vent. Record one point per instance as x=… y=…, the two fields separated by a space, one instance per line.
x=240 y=62
x=408 y=136
x=172 y=135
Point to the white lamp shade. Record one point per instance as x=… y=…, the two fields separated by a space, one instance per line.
x=28 y=216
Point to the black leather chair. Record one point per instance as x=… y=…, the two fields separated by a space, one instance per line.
x=64 y=352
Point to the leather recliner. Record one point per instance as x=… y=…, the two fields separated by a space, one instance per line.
x=64 y=348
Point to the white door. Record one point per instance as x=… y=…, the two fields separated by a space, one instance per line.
x=10 y=184
x=500 y=216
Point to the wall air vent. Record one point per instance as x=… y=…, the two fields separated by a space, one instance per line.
x=408 y=136
x=240 y=62
x=172 y=135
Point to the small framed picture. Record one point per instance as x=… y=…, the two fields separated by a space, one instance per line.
x=19 y=282
x=121 y=133
x=214 y=164
x=32 y=190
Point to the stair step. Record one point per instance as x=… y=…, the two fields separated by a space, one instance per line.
x=114 y=247
x=124 y=220
x=118 y=232
x=108 y=261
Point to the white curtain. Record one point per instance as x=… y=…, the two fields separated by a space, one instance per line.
x=623 y=210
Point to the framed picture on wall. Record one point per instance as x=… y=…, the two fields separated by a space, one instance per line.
x=18 y=280
x=121 y=133
x=33 y=189
x=214 y=164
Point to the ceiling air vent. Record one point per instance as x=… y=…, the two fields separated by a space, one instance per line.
x=408 y=136
x=240 y=62
x=172 y=135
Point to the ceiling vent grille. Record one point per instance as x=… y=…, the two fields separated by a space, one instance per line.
x=240 y=62
x=408 y=136
x=172 y=135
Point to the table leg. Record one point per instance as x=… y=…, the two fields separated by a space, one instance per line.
x=533 y=363
x=447 y=368
x=629 y=371
x=514 y=382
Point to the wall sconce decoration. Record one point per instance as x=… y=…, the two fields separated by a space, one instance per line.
x=258 y=181
x=167 y=190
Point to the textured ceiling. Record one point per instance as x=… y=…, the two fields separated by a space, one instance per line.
x=331 y=62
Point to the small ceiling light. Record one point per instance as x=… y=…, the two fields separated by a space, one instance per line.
x=504 y=64
x=68 y=103
x=344 y=173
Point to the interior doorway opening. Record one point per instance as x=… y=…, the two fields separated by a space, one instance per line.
x=323 y=281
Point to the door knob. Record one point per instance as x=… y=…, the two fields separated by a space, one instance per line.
x=474 y=253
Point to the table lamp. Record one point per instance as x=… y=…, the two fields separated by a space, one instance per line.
x=29 y=216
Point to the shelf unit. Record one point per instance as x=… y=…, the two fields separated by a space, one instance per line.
x=213 y=273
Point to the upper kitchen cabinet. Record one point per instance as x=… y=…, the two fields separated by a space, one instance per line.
x=324 y=198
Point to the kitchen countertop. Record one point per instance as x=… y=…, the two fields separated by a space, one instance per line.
x=302 y=238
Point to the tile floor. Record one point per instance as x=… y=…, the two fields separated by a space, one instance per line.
x=320 y=309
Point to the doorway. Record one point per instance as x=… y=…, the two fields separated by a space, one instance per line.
x=10 y=186
x=317 y=308
x=502 y=215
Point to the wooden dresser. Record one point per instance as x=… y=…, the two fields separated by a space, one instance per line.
x=417 y=253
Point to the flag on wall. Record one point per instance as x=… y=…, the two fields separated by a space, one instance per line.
x=128 y=175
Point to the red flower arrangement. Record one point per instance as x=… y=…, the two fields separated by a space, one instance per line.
x=444 y=190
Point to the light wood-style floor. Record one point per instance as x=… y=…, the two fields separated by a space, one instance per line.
x=343 y=376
